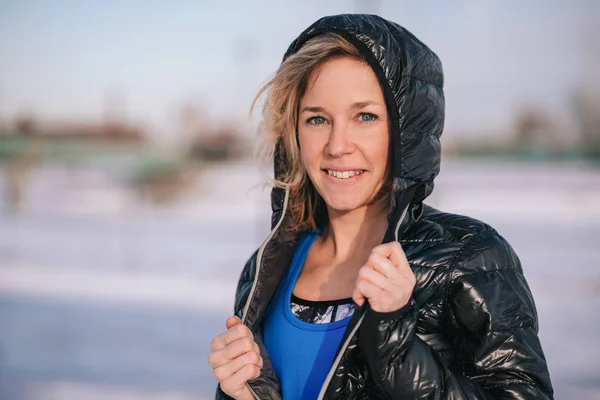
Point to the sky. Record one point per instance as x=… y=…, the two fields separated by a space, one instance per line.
x=142 y=60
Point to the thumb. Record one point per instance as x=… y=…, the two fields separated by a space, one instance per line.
x=358 y=297
x=232 y=321
x=242 y=393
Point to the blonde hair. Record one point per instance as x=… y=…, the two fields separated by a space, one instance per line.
x=280 y=121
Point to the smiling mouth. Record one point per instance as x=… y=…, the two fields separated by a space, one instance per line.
x=344 y=174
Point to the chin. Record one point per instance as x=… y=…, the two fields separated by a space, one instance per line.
x=344 y=204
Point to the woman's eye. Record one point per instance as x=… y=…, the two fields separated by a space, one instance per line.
x=367 y=117
x=316 y=120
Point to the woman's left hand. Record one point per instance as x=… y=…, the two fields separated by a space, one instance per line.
x=386 y=280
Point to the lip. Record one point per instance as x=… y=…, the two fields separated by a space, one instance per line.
x=348 y=181
x=345 y=168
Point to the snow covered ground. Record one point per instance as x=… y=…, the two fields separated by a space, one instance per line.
x=102 y=296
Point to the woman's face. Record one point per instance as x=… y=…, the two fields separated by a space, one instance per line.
x=343 y=132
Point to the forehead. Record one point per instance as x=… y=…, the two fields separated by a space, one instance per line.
x=343 y=80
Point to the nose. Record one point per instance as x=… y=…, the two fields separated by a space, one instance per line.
x=339 y=141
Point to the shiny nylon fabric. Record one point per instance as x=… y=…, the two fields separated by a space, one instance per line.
x=470 y=331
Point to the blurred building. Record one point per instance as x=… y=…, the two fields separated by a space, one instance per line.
x=108 y=132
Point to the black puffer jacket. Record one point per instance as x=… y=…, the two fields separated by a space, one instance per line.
x=470 y=331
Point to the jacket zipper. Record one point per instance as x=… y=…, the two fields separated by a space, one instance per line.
x=338 y=359
x=252 y=391
x=259 y=256
x=354 y=330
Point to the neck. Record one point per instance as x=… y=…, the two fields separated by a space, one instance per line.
x=357 y=231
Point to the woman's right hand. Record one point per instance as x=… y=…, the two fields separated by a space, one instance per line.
x=235 y=359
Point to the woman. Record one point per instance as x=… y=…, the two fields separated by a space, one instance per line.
x=361 y=291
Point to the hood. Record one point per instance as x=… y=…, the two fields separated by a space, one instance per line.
x=411 y=77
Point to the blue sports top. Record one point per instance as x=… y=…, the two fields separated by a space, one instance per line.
x=301 y=352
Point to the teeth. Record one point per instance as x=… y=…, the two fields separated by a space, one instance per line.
x=343 y=174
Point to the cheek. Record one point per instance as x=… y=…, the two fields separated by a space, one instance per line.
x=306 y=160
x=384 y=154
x=378 y=151
x=310 y=151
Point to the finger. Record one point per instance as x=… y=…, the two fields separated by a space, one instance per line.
x=402 y=264
x=227 y=370
x=393 y=251
x=408 y=277
x=232 y=334
x=236 y=383
x=368 y=290
x=239 y=347
x=358 y=297
x=376 y=278
x=232 y=321
x=232 y=351
x=382 y=265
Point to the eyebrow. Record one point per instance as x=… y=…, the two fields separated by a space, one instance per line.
x=356 y=106
x=313 y=109
x=362 y=104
